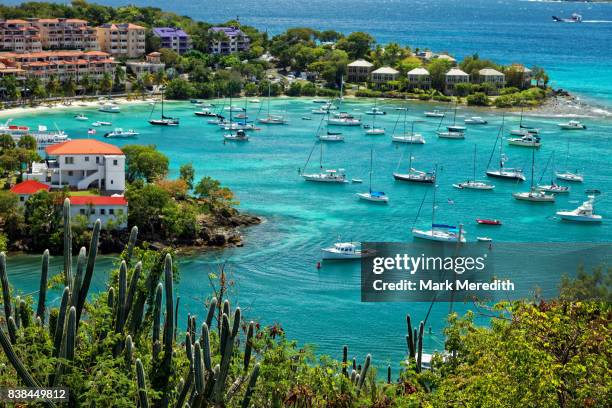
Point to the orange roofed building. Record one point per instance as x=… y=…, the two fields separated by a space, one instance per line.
x=27 y=188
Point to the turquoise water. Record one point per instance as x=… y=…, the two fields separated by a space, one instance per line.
x=275 y=272
x=577 y=56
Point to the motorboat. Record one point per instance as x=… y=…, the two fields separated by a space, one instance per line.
x=373 y=196
x=343 y=250
x=451 y=135
x=306 y=118
x=376 y=111
x=319 y=101
x=484 y=239
x=572 y=125
x=570 y=176
x=434 y=114
x=331 y=137
x=81 y=117
x=474 y=185
x=233 y=108
x=584 y=213
x=206 y=112
x=328 y=176
x=413 y=138
x=575 y=18
x=195 y=101
x=553 y=188
x=109 y=108
x=120 y=133
x=356 y=181
x=475 y=120
x=484 y=221
x=254 y=101
x=238 y=136
x=528 y=140
x=101 y=123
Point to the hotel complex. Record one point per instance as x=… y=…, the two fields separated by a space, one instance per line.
x=122 y=40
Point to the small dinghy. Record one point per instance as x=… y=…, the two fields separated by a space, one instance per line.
x=484 y=221
x=484 y=239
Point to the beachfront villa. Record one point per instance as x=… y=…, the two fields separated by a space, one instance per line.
x=105 y=208
x=61 y=64
x=446 y=57
x=19 y=36
x=173 y=38
x=383 y=75
x=66 y=33
x=492 y=76
x=122 y=40
x=359 y=70
x=453 y=77
x=527 y=74
x=228 y=40
x=150 y=65
x=82 y=164
x=419 y=78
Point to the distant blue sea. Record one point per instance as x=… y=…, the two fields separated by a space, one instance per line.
x=577 y=56
x=276 y=278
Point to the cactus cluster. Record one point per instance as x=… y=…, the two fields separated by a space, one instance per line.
x=358 y=373
x=414 y=339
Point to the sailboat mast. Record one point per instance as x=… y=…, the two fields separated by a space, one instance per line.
x=433 y=205
x=371 y=154
x=269 y=93
x=321 y=156
x=162 y=103
x=532 y=166
x=474 y=167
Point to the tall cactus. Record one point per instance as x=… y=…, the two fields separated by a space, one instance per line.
x=157 y=313
x=61 y=319
x=250 y=387
x=169 y=324
x=420 y=340
x=129 y=300
x=142 y=387
x=67 y=245
x=6 y=291
x=42 y=291
x=212 y=307
x=129 y=351
x=345 y=361
x=131 y=244
x=122 y=293
x=410 y=338
x=91 y=261
x=24 y=313
x=364 y=371
x=78 y=276
x=70 y=336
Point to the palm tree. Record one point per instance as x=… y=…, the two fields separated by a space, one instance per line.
x=53 y=85
x=69 y=87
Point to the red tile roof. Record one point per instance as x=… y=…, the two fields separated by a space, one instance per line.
x=29 y=187
x=98 y=200
x=82 y=146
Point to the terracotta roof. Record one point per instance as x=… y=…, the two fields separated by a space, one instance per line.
x=29 y=187
x=82 y=146
x=98 y=200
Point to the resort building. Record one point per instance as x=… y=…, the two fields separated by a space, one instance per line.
x=150 y=65
x=446 y=57
x=113 y=209
x=173 y=38
x=82 y=164
x=122 y=40
x=492 y=76
x=27 y=188
x=66 y=33
x=359 y=70
x=527 y=74
x=8 y=70
x=60 y=64
x=453 y=77
x=227 y=40
x=383 y=75
x=419 y=78
x=19 y=36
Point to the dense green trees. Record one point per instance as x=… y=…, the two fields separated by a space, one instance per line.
x=144 y=163
x=357 y=44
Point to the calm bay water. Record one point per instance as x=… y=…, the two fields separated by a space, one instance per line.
x=275 y=272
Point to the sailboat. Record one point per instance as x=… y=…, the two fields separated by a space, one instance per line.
x=501 y=171
x=329 y=136
x=413 y=138
x=534 y=195
x=324 y=176
x=552 y=187
x=568 y=175
x=272 y=119
x=413 y=175
x=439 y=232
x=373 y=196
x=473 y=184
x=454 y=131
x=164 y=120
x=374 y=131
x=524 y=130
x=342 y=118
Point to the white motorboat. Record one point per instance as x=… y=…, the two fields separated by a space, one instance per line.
x=343 y=250
x=375 y=131
x=553 y=188
x=525 y=132
x=434 y=114
x=373 y=196
x=484 y=239
x=534 y=195
x=356 y=181
x=81 y=117
x=238 y=136
x=328 y=176
x=343 y=121
x=584 y=213
x=376 y=111
x=572 y=125
x=319 y=111
x=101 y=123
x=109 y=108
x=528 y=140
x=254 y=101
x=475 y=120
x=570 y=176
x=120 y=133
x=474 y=184
x=414 y=138
x=451 y=135
x=331 y=137
x=319 y=101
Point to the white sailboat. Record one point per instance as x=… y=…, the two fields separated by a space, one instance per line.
x=474 y=184
x=502 y=171
x=584 y=213
x=413 y=175
x=342 y=118
x=475 y=120
x=534 y=195
x=434 y=114
x=324 y=176
x=373 y=196
x=238 y=136
x=453 y=131
x=271 y=119
x=552 y=187
x=439 y=232
x=412 y=138
x=567 y=175
x=526 y=140
x=524 y=130
x=163 y=120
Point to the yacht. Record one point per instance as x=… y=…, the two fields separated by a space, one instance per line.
x=342 y=250
x=373 y=196
x=239 y=136
x=80 y=116
x=206 y=112
x=575 y=18
x=570 y=176
x=534 y=195
x=528 y=140
x=343 y=119
x=375 y=131
x=434 y=114
x=413 y=138
x=324 y=176
x=109 y=108
x=43 y=136
x=474 y=184
x=331 y=137
x=572 y=125
x=120 y=133
x=101 y=123
x=451 y=135
x=552 y=187
x=584 y=213
x=376 y=111
x=475 y=120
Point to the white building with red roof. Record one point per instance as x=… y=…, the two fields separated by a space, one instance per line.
x=82 y=164
x=113 y=209
x=27 y=188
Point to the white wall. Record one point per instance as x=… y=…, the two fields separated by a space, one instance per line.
x=95 y=212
